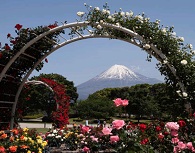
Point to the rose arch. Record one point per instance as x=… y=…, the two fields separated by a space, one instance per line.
x=30 y=47
x=62 y=100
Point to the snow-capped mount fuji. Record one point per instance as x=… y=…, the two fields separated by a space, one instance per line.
x=116 y=76
x=117 y=72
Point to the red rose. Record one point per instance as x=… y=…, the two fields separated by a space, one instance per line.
x=162 y=124
x=166 y=133
x=13 y=41
x=160 y=136
x=27 y=98
x=51 y=26
x=158 y=128
x=8 y=35
x=18 y=26
x=182 y=123
x=46 y=60
x=7 y=47
x=2 y=149
x=142 y=127
x=144 y=141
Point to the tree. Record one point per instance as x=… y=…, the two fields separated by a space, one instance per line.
x=70 y=89
x=96 y=108
x=40 y=97
x=144 y=99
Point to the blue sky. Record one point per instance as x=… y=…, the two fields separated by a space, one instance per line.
x=83 y=60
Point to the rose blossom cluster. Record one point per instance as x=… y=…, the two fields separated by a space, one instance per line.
x=120 y=102
x=179 y=145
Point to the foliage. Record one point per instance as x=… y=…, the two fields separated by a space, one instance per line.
x=95 y=108
x=39 y=97
x=71 y=90
x=57 y=108
x=176 y=60
x=9 y=85
x=157 y=100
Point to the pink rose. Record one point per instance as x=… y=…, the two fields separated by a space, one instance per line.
x=181 y=145
x=106 y=131
x=174 y=133
x=118 y=124
x=175 y=140
x=125 y=102
x=189 y=145
x=85 y=149
x=172 y=125
x=194 y=114
x=114 y=138
x=94 y=138
x=117 y=102
x=85 y=129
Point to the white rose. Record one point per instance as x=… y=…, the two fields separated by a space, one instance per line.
x=184 y=94
x=184 y=62
x=113 y=19
x=80 y=13
x=127 y=14
x=109 y=17
x=52 y=135
x=122 y=13
x=104 y=11
x=101 y=21
x=178 y=91
x=173 y=34
x=146 y=46
x=131 y=13
x=157 y=21
x=108 y=12
x=190 y=46
x=147 y=19
x=181 y=39
x=99 y=27
x=164 y=30
x=97 y=8
x=165 y=61
x=139 y=17
x=117 y=24
x=193 y=52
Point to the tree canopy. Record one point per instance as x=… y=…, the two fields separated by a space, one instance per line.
x=155 y=100
x=40 y=97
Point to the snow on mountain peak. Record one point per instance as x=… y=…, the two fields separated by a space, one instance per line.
x=118 y=72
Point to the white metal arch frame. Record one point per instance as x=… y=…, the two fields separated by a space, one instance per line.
x=37 y=82
x=136 y=39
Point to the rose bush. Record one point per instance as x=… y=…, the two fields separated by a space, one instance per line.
x=156 y=136
x=121 y=136
x=21 y=141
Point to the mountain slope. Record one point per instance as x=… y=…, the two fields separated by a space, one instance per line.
x=116 y=76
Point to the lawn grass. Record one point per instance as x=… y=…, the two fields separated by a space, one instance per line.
x=75 y=121
x=40 y=130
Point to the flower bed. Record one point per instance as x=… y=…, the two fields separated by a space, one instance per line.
x=120 y=137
